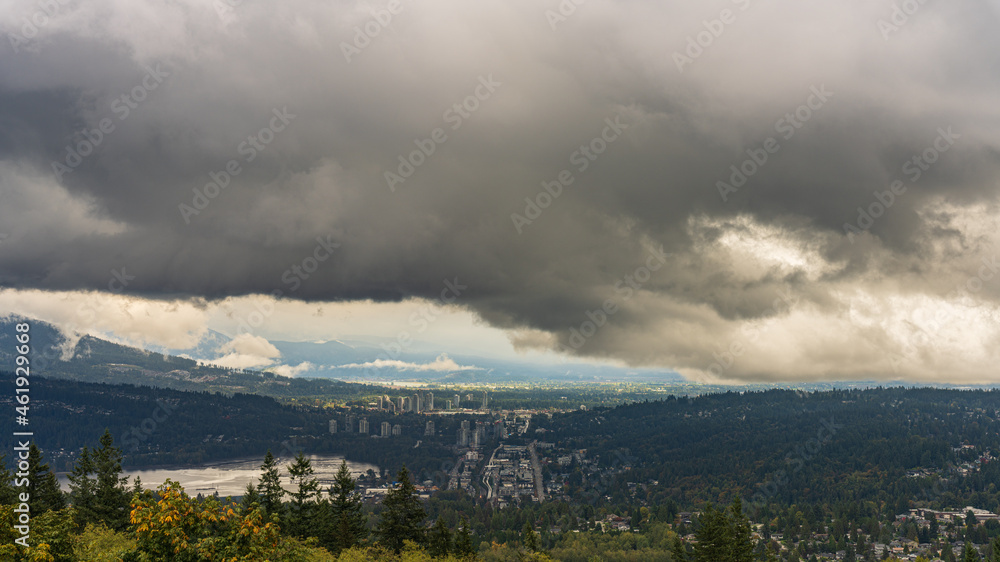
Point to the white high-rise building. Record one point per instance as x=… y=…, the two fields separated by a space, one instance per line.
x=333 y=426
x=386 y=429
x=464 y=434
x=363 y=426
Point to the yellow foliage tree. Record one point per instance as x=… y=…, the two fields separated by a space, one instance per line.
x=173 y=526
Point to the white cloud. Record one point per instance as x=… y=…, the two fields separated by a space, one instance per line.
x=173 y=324
x=290 y=371
x=247 y=351
x=238 y=361
x=249 y=344
x=443 y=364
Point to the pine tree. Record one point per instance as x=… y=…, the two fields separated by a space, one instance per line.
x=7 y=493
x=402 y=515
x=969 y=553
x=947 y=553
x=530 y=537
x=995 y=547
x=714 y=537
x=677 y=550
x=347 y=525
x=82 y=485
x=43 y=487
x=137 y=488
x=251 y=498
x=463 y=540
x=269 y=487
x=111 y=496
x=439 y=539
x=742 y=539
x=302 y=513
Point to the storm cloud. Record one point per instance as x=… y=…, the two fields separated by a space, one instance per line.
x=749 y=189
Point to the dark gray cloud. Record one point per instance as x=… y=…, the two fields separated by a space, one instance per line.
x=196 y=86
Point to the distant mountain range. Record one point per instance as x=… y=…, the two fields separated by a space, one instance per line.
x=91 y=359
x=361 y=359
x=323 y=368
x=376 y=359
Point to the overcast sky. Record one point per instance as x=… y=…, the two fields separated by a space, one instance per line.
x=738 y=190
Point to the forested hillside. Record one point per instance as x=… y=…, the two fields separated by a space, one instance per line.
x=880 y=445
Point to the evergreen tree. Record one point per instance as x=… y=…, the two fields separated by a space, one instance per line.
x=111 y=496
x=7 y=493
x=43 y=487
x=302 y=513
x=947 y=553
x=969 y=553
x=269 y=487
x=463 y=540
x=995 y=546
x=714 y=537
x=850 y=555
x=81 y=486
x=137 y=488
x=530 y=537
x=439 y=539
x=402 y=515
x=347 y=524
x=742 y=540
x=677 y=550
x=251 y=498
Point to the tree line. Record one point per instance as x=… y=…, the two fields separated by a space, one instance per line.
x=103 y=517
